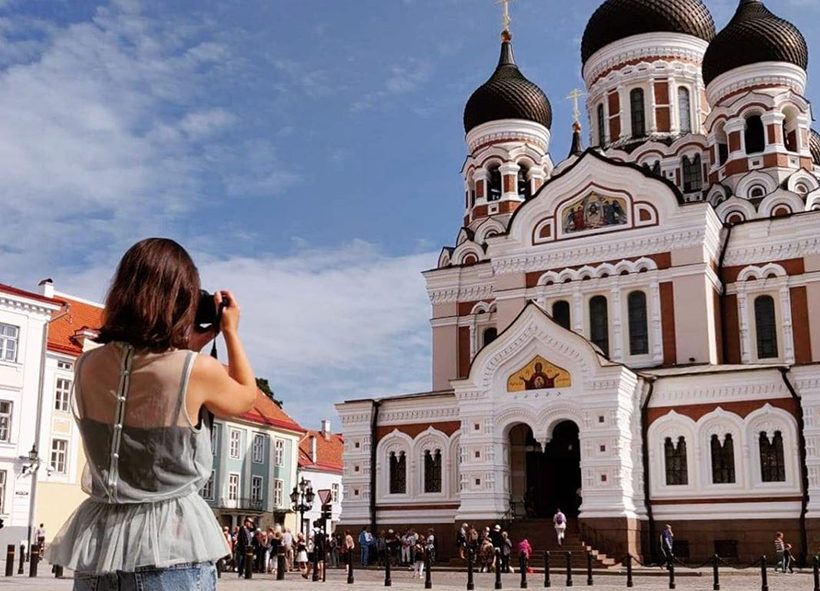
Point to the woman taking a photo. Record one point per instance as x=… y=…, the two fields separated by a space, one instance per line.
x=143 y=402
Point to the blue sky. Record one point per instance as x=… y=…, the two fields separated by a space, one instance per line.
x=307 y=153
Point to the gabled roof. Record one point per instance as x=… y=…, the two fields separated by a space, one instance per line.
x=328 y=452
x=82 y=317
x=266 y=412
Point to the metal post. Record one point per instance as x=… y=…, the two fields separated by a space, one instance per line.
x=428 y=576
x=220 y=566
x=21 y=568
x=315 y=561
x=35 y=560
x=522 y=559
x=281 y=564
x=10 y=561
x=716 y=574
x=388 y=582
x=589 y=569
x=547 y=581
x=569 y=569
x=764 y=576
x=629 y=581
x=498 y=569
x=349 y=567
x=816 y=573
x=249 y=562
x=58 y=571
x=671 y=571
x=470 y=581
x=326 y=557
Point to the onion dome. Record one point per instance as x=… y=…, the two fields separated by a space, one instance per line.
x=814 y=146
x=754 y=35
x=618 y=19
x=507 y=95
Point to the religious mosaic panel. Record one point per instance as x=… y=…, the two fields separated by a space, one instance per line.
x=593 y=212
x=539 y=374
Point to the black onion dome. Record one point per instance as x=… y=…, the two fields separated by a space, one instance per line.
x=618 y=19
x=507 y=95
x=814 y=146
x=754 y=35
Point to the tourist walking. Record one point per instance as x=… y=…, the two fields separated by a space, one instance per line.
x=40 y=538
x=779 y=548
x=365 y=540
x=301 y=551
x=226 y=533
x=506 y=551
x=461 y=540
x=667 y=546
x=144 y=402
x=349 y=546
x=559 y=520
x=244 y=540
x=288 y=544
x=788 y=559
x=418 y=560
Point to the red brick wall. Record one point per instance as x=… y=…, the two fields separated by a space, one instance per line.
x=670 y=346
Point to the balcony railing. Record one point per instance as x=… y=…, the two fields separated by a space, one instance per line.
x=242 y=504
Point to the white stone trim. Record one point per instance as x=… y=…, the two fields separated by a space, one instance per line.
x=779 y=74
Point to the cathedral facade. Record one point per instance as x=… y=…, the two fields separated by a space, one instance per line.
x=631 y=334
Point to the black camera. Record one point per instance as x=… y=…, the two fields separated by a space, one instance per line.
x=207 y=313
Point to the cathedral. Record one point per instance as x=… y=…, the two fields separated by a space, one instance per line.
x=632 y=333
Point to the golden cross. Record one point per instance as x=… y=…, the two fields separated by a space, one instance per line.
x=574 y=96
x=507 y=19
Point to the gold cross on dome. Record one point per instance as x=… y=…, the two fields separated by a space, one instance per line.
x=507 y=19
x=575 y=96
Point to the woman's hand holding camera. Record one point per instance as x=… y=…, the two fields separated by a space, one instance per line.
x=229 y=323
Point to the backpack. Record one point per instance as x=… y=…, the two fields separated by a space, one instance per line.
x=559 y=519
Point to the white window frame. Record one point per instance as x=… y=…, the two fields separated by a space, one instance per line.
x=215 y=438
x=5 y=420
x=9 y=333
x=207 y=491
x=334 y=492
x=3 y=479
x=235 y=448
x=65 y=365
x=62 y=394
x=279 y=452
x=234 y=486
x=278 y=492
x=258 y=448
x=55 y=449
x=257 y=482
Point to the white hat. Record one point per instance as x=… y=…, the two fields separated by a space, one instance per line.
x=497 y=527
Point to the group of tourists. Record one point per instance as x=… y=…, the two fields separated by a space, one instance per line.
x=784 y=554
x=491 y=547
x=408 y=549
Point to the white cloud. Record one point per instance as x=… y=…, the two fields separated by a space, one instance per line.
x=402 y=79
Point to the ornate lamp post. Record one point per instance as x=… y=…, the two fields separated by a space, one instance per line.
x=301 y=497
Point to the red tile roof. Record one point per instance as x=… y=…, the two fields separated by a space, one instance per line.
x=63 y=332
x=267 y=412
x=328 y=452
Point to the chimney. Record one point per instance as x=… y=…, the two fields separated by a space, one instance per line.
x=47 y=287
x=313 y=449
x=326 y=429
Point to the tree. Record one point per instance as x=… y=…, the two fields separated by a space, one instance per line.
x=264 y=385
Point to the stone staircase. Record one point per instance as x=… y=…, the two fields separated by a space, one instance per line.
x=541 y=535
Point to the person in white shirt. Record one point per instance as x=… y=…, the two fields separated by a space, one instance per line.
x=40 y=536
x=287 y=544
x=560 y=522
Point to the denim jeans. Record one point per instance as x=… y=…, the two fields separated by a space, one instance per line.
x=182 y=577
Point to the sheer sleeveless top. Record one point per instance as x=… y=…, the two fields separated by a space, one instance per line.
x=146 y=462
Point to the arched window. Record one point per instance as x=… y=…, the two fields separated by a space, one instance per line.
x=723 y=460
x=722 y=144
x=638 y=324
x=489 y=335
x=638 y=113
x=757 y=192
x=601 y=125
x=524 y=188
x=677 y=473
x=692 y=174
x=599 y=323
x=494 y=188
x=684 y=110
x=766 y=327
x=772 y=462
x=789 y=139
x=561 y=314
x=432 y=471
x=755 y=138
x=398 y=473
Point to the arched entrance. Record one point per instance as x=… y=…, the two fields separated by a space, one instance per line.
x=545 y=478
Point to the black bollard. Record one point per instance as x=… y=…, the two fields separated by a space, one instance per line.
x=315 y=577
x=35 y=560
x=716 y=574
x=58 y=571
x=349 y=567
x=629 y=581
x=281 y=564
x=589 y=569
x=388 y=582
x=764 y=576
x=522 y=561
x=326 y=562
x=20 y=569
x=10 y=560
x=249 y=562
x=498 y=569
x=547 y=581
x=220 y=566
x=428 y=576
x=569 y=569
x=671 y=571
x=816 y=573
x=470 y=581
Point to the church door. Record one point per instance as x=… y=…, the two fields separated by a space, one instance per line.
x=554 y=474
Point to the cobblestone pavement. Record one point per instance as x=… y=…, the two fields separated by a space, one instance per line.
x=451 y=581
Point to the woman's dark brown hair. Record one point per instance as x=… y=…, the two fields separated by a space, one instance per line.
x=153 y=297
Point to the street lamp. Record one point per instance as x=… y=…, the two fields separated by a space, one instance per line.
x=34 y=461
x=301 y=497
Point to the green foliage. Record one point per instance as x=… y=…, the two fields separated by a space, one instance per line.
x=264 y=385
